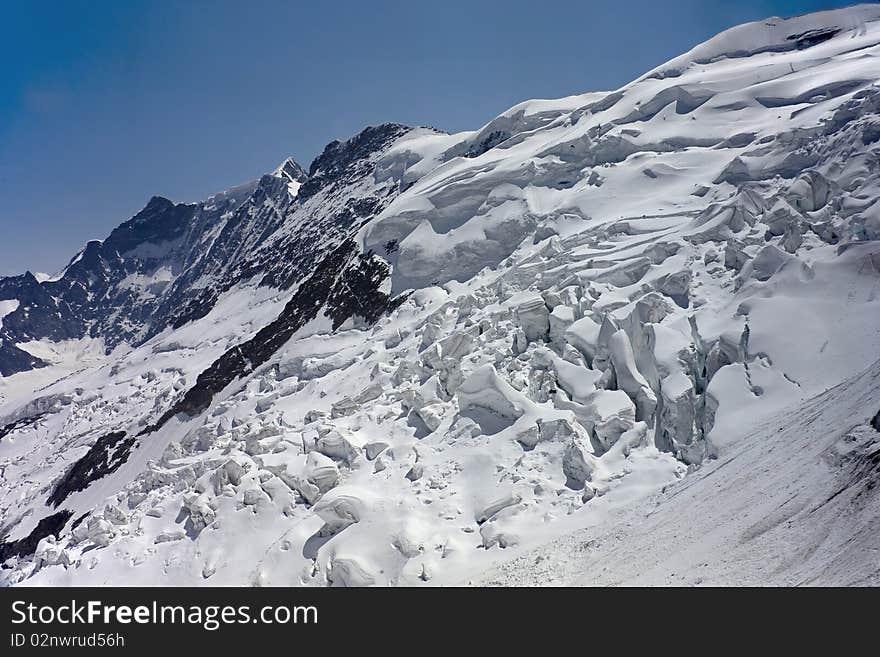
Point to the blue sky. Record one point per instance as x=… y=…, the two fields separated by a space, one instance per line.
x=103 y=104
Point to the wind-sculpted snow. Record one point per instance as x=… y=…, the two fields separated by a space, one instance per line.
x=432 y=354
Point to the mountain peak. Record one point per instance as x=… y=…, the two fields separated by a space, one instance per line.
x=338 y=153
x=157 y=202
x=341 y=156
x=291 y=171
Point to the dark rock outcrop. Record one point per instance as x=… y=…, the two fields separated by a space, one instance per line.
x=107 y=455
x=48 y=526
x=20 y=423
x=344 y=284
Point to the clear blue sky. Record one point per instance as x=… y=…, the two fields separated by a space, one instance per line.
x=103 y=104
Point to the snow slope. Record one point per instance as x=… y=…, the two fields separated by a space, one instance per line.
x=791 y=503
x=602 y=339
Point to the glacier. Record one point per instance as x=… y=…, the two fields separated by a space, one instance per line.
x=623 y=337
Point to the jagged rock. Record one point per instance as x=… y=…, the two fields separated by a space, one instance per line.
x=51 y=525
x=106 y=456
x=100 y=290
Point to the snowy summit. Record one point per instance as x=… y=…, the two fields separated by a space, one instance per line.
x=627 y=337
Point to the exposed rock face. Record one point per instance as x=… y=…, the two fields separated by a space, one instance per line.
x=104 y=457
x=48 y=526
x=344 y=284
x=169 y=264
x=20 y=423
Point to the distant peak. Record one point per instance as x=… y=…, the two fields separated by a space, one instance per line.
x=291 y=171
x=157 y=202
x=340 y=153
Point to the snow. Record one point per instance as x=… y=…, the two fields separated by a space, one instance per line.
x=6 y=307
x=780 y=507
x=630 y=353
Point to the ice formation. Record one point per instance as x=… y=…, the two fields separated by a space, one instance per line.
x=432 y=357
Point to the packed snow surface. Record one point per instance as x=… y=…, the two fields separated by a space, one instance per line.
x=631 y=337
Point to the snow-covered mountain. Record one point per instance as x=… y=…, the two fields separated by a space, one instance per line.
x=606 y=338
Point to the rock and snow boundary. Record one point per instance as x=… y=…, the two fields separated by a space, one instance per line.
x=614 y=338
